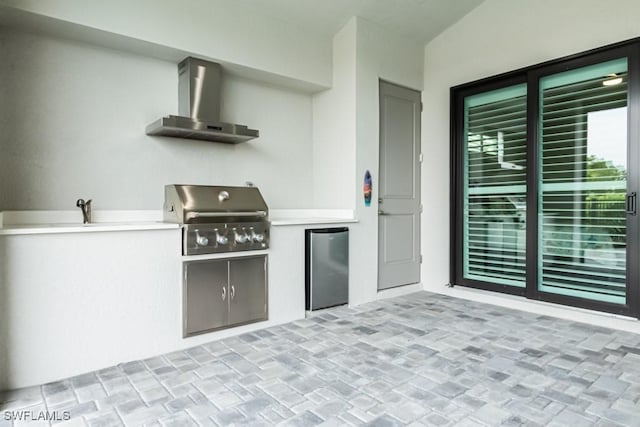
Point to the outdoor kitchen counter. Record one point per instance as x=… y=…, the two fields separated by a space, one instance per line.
x=98 y=295
x=310 y=216
x=13 y=229
x=52 y=222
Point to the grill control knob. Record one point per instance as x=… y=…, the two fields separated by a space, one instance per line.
x=221 y=239
x=201 y=240
x=257 y=237
x=240 y=238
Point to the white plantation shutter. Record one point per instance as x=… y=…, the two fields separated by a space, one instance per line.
x=582 y=183
x=495 y=186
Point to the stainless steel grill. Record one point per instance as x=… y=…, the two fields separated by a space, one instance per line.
x=218 y=219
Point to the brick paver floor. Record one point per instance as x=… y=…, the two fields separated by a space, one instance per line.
x=420 y=359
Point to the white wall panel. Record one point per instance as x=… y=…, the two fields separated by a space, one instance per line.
x=73 y=118
x=215 y=29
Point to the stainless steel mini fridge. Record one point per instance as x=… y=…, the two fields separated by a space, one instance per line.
x=326 y=267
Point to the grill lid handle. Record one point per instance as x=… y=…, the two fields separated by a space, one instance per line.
x=193 y=215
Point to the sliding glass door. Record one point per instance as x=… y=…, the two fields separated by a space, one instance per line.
x=546 y=166
x=495 y=185
x=582 y=190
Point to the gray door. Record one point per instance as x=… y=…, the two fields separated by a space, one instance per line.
x=205 y=296
x=399 y=188
x=247 y=289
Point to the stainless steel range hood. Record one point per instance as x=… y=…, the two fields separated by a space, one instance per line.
x=199 y=107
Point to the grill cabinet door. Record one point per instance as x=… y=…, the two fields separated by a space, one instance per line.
x=247 y=289
x=206 y=296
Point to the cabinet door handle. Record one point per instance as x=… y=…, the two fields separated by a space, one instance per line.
x=224 y=293
x=233 y=291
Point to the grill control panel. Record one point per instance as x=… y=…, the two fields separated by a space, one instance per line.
x=224 y=237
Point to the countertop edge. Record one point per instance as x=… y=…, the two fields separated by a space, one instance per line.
x=311 y=221
x=91 y=228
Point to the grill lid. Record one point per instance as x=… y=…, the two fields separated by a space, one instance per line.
x=189 y=204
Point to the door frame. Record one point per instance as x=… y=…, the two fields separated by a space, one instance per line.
x=531 y=75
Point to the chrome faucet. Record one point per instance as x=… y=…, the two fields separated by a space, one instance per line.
x=86 y=210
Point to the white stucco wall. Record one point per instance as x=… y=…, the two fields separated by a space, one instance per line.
x=334 y=127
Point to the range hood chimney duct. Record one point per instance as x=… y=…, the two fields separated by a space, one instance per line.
x=199 y=87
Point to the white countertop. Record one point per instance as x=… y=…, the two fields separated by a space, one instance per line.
x=14 y=229
x=311 y=221
x=310 y=216
x=52 y=222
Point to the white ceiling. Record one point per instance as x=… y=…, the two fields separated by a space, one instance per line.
x=420 y=20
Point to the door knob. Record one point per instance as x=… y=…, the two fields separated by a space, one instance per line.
x=381 y=212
